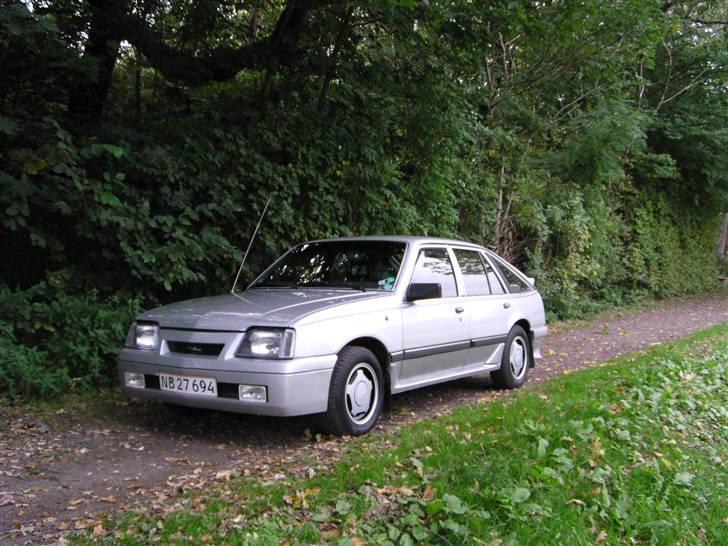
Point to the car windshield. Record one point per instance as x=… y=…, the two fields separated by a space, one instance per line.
x=354 y=265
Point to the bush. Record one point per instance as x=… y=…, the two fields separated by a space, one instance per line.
x=52 y=342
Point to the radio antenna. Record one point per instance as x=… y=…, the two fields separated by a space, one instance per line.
x=245 y=257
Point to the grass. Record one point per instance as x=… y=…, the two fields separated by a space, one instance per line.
x=629 y=453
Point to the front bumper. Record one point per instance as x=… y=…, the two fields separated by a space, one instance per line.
x=294 y=387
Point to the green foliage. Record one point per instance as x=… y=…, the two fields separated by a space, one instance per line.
x=52 y=343
x=665 y=255
x=26 y=370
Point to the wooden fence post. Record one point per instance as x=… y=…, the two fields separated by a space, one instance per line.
x=723 y=240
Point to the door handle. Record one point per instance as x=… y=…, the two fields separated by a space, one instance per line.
x=459 y=309
x=506 y=305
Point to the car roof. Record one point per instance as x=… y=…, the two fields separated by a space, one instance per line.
x=410 y=239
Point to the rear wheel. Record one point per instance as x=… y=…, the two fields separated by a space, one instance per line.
x=355 y=393
x=515 y=362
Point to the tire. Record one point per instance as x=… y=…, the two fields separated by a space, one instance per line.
x=515 y=362
x=355 y=393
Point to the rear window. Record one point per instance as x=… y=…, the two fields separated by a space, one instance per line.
x=515 y=283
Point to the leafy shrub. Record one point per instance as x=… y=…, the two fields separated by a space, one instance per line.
x=52 y=342
x=669 y=250
x=25 y=371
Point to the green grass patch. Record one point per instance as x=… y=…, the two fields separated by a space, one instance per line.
x=633 y=452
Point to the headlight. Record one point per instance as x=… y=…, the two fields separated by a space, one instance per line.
x=272 y=343
x=144 y=336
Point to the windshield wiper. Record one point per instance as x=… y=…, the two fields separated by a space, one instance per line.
x=349 y=285
x=275 y=285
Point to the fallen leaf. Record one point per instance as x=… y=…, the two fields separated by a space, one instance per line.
x=520 y=494
x=429 y=494
x=683 y=478
x=330 y=533
x=576 y=501
x=391 y=490
x=225 y=475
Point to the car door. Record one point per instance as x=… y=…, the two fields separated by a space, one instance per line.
x=434 y=331
x=486 y=305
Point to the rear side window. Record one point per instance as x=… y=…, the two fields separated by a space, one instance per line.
x=434 y=266
x=515 y=283
x=473 y=271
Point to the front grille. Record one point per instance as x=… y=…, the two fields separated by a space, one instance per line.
x=204 y=349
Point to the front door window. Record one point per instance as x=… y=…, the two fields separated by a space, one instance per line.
x=434 y=266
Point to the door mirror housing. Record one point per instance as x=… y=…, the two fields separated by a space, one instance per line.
x=531 y=281
x=424 y=291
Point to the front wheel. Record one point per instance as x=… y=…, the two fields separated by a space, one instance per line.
x=355 y=393
x=515 y=362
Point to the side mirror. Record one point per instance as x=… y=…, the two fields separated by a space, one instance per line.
x=424 y=291
x=531 y=281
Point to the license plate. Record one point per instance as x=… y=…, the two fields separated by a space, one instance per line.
x=203 y=386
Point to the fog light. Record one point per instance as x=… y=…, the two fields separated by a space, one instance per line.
x=253 y=393
x=133 y=379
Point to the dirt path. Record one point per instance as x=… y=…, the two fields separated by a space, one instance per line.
x=60 y=471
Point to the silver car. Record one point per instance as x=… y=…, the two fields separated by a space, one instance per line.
x=334 y=326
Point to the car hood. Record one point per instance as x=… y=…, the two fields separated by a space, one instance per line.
x=257 y=307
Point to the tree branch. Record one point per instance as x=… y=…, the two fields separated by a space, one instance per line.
x=697 y=80
x=706 y=22
x=222 y=63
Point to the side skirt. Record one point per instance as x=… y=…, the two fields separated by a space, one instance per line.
x=433 y=380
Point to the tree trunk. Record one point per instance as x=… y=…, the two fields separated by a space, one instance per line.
x=137 y=88
x=88 y=96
